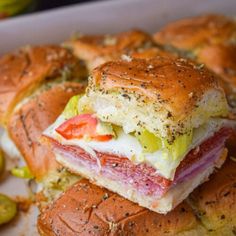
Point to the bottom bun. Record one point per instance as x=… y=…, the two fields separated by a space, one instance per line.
x=215 y=201
x=86 y=209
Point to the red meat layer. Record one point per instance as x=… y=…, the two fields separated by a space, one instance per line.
x=142 y=175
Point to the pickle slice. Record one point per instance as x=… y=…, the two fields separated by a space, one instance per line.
x=104 y=128
x=149 y=141
x=71 y=108
x=12 y=7
x=152 y=143
x=2 y=162
x=180 y=145
x=8 y=209
x=22 y=172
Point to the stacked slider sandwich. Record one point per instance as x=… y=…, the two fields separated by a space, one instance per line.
x=132 y=136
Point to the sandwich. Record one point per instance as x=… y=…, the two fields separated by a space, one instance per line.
x=95 y=50
x=25 y=127
x=209 y=40
x=150 y=130
x=197 y=31
x=25 y=74
x=86 y=209
x=47 y=178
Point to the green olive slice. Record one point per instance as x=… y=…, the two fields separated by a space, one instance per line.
x=22 y=172
x=2 y=162
x=8 y=209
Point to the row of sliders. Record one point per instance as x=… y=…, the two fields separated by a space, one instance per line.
x=150 y=126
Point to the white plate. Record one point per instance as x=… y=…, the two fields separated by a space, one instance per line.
x=99 y=17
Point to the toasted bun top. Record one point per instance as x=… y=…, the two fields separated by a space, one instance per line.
x=215 y=201
x=86 y=209
x=221 y=59
x=27 y=124
x=175 y=85
x=210 y=39
x=97 y=49
x=23 y=71
x=197 y=31
x=154 y=78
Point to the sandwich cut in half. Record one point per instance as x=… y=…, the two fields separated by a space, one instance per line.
x=25 y=127
x=37 y=162
x=26 y=73
x=150 y=130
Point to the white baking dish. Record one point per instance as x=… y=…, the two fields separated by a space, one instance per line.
x=100 y=17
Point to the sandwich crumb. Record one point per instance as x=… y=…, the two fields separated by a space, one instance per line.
x=222 y=217
x=126 y=58
x=226 y=194
x=199 y=67
x=190 y=94
x=105 y=196
x=183 y=209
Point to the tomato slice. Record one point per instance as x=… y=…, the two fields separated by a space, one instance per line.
x=81 y=126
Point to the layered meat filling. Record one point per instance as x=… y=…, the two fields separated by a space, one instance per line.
x=139 y=158
x=149 y=163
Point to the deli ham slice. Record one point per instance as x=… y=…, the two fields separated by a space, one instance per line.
x=142 y=176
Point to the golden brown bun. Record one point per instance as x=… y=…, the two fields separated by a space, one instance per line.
x=209 y=39
x=152 y=78
x=158 y=80
x=23 y=71
x=215 y=200
x=86 y=209
x=27 y=124
x=152 y=53
x=97 y=49
x=221 y=58
x=197 y=31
